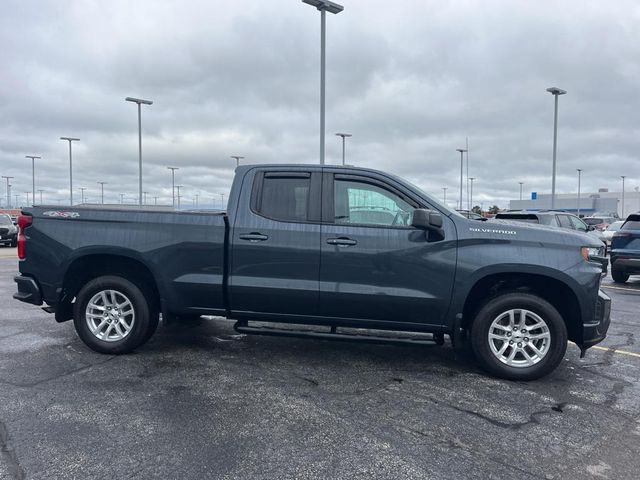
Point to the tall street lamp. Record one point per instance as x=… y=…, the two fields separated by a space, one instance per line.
x=139 y=102
x=521 y=183
x=471 y=179
x=623 y=177
x=178 y=196
x=323 y=6
x=145 y=197
x=173 y=183
x=40 y=196
x=8 y=191
x=461 y=150
x=579 y=170
x=102 y=184
x=222 y=201
x=444 y=196
x=82 y=189
x=70 y=139
x=555 y=91
x=238 y=158
x=343 y=135
x=33 y=175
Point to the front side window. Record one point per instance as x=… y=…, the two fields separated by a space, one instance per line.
x=362 y=203
x=285 y=198
x=564 y=221
x=5 y=220
x=578 y=224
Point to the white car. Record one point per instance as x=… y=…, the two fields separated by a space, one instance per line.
x=610 y=230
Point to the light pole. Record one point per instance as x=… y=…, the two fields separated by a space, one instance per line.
x=82 y=189
x=40 y=196
x=155 y=200
x=102 y=184
x=623 y=177
x=343 y=135
x=555 y=91
x=145 y=197
x=173 y=184
x=323 y=6
x=70 y=139
x=579 y=170
x=121 y=198
x=238 y=158
x=17 y=201
x=222 y=201
x=33 y=176
x=521 y=183
x=179 y=187
x=8 y=191
x=139 y=102
x=471 y=179
x=444 y=196
x=461 y=150
x=27 y=195
x=197 y=195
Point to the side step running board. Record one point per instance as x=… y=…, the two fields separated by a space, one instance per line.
x=435 y=338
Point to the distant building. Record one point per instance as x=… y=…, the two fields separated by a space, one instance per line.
x=601 y=202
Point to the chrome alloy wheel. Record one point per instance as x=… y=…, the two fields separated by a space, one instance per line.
x=110 y=316
x=519 y=338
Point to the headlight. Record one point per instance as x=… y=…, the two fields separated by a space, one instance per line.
x=588 y=252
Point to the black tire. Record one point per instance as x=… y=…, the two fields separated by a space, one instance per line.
x=619 y=276
x=145 y=320
x=494 y=308
x=14 y=242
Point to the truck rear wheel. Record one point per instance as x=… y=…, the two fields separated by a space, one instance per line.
x=519 y=336
x=112 y=315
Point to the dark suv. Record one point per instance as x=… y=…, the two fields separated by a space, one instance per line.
x=625 y=249
x=8 y=231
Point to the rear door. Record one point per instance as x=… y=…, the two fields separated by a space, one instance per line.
x=374 y=264
x=275 y=243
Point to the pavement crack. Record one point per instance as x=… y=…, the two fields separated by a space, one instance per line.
x=8 y=454
x=533 y=418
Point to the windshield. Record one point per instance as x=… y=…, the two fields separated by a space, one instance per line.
x=615 y=226
x=593 y=221
x=5 y=220
x=430 y=198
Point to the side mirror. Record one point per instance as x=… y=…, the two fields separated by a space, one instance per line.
x=426 y=219
x=591 y=228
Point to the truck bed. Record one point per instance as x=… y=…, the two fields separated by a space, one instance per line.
x=183 y=251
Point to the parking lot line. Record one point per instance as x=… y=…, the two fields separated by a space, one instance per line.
x=615 y=350
x=621 y=288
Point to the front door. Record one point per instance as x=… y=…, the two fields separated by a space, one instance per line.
x=374 y=264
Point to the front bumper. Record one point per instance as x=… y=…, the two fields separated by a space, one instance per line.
x=594 y=332
x=28 y=290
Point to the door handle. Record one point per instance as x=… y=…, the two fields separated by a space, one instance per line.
x=342 y=241
x=254 y=237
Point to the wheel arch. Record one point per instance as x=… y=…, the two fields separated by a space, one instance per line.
x=557 y=291
x=89 y=264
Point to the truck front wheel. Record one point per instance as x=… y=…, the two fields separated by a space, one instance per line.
x=113 y=316
x=518 y=336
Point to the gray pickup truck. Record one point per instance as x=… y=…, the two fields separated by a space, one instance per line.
x=339 y=248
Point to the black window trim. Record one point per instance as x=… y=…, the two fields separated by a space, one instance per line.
x=313 y=208
x=328 y=191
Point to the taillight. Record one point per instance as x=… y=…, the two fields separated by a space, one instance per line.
x=23 y=222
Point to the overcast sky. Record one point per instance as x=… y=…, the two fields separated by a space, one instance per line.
x=409 y=79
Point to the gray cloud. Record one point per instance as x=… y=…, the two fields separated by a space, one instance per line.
x=410 y=81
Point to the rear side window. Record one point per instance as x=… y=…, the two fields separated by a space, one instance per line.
x=285 y=198
x=578 y=224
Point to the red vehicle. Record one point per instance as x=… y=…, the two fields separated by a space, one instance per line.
x=599 y=223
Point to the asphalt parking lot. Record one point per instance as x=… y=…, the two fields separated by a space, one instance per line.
x=199 y=401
